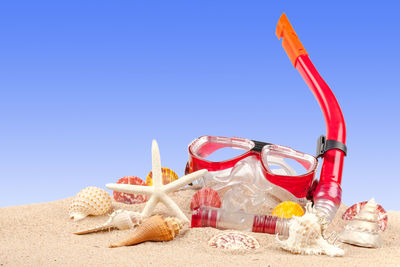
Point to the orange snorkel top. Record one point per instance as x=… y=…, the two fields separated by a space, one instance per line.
x=290 y=41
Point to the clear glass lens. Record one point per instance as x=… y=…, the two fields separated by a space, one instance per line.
x=216 y=148
x=285 y=161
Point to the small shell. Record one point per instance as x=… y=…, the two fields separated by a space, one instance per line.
x=90 y=201
x=233 y=240
x=355 y=209
x=121 y=219
x=155 y=228
x=130 y=198
x=205 y=197
x=288 y=209
x=363 y=230
x=168 y=176
x=305 y=236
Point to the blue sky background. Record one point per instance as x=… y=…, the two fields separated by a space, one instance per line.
x=86 y=85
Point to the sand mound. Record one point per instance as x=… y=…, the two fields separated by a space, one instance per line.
x=41 y=235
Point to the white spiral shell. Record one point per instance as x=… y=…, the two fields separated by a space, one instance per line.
x=120 y=219
x=305 y=236
x=90 y=201
x=363 y=229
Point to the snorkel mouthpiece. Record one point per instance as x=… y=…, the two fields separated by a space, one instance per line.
x=328 y=194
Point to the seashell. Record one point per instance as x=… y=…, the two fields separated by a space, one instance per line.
x=90 y=201
x=363 y=230
x=288 y=209
x=355 y=209
x=233 y=240
x=306 y=236
x=168 y=176
x=155 y=228
x=205 y=197
x=130 y=198
x=120 y=219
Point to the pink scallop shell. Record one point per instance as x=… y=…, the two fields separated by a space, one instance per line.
x=130 y=198
x=233 y=240
x=355 y=209
x=205 y=197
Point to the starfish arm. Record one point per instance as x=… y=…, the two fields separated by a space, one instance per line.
x=172 y=206
x=184 y=180
x=156 y=164
x=150 y=205
x=131 y=189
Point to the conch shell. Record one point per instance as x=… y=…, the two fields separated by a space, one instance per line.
x=155 y=228
x=306 y=236
x=90 y=201
x=363 y=230
x=121 y=219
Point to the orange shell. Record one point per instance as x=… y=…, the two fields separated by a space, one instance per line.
x=168 y=176
x=288 y=209
x=156 y=228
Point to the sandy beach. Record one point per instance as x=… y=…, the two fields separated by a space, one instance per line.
x=41 y=235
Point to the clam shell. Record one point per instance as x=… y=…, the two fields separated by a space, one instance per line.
x=233 y=240
x=130 y=198
x=355 y=209
x=205 y=197
x=90 y=201
x=168 y=176
x=156 y=228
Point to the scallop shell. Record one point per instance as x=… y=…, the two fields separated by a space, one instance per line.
x=355 y=209
x=90 y=201
x=205 y=197
x=306 y=237
x=363 y=230
x=130 y=198
x=288 y=209
x=120 y=219
x=168 y=176
x=155 y=228
x=233 y=240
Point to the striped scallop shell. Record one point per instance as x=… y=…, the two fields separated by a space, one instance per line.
x=168 y=176
x=233 y=240
x=90 y=201
x=130 y=198
x=205 y=197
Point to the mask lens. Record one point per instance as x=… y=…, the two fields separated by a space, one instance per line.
x=280 y=160
x=216 y=149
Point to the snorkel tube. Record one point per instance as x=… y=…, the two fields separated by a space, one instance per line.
x=328 y=193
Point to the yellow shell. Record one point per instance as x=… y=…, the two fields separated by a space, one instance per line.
x=168 y=176
x=90 y=201
x=288 y=209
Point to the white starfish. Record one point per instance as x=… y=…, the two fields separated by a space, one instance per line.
x=158 y=191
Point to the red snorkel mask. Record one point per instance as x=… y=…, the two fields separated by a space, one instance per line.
x=327 y=194
x=268 y=154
